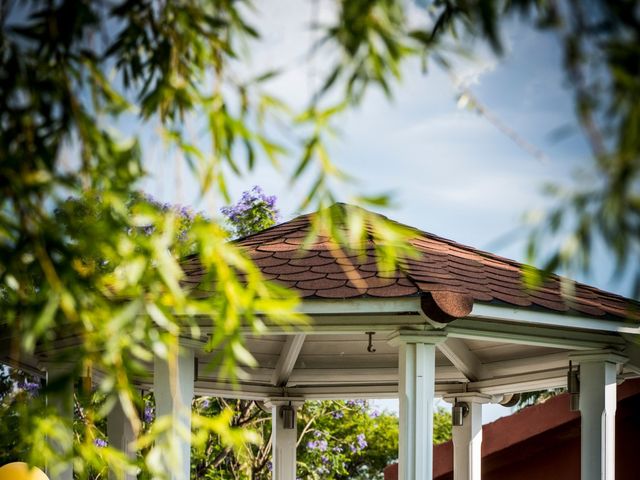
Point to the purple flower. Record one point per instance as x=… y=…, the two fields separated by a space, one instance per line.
x=98 y=442
x=324 y=459
x=322 y=470
x=32 y=388
x=374 y=413
x=149 y=414
x=320 y=445
x=362 y=442
x=337 y=414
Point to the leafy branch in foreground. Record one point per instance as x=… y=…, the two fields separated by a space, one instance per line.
x=76 y=75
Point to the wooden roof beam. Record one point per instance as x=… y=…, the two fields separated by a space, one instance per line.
x=462 y=358
x=288 y=357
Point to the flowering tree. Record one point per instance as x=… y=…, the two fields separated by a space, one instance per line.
x=254 y=211
x=345 y=440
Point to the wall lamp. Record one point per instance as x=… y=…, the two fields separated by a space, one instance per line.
x=573 y=387
x=288 y=414
x=458 y=412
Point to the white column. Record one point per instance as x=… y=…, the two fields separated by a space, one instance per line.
x=598 y=371
x=467 y=438
x=283 y=440
x=121 y=436
x=173 y=393
x=416 y=389
x=60 y=398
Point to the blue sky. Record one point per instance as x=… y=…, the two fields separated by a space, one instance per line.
x=453 y=172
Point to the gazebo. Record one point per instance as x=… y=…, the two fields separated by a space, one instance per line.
x=454 y=322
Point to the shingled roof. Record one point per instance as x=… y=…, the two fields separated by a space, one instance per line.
x=449 y=275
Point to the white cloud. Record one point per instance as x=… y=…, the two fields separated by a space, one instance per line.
x=454 y=173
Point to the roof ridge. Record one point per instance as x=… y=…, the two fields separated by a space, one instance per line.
x=452 y=243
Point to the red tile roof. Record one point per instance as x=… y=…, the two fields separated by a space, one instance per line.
x=450 y=276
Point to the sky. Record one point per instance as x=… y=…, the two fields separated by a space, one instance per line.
x=452 y=172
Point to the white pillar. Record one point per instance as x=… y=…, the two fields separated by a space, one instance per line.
x=173 y=393
x=121 y=436
x=416 y=389
x=283 y=440
x=467 y=438
x=598 y=371
x=60 y=398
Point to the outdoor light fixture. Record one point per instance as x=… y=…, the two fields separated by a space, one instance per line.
x=573 y=387
x=458 y=412
x=288 y=414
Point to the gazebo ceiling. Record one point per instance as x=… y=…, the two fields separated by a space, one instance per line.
x=328 y=365
x=449 y=277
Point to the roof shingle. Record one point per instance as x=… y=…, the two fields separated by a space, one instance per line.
x=448 y=274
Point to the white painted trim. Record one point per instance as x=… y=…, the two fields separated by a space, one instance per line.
x=632 y=351
x=430 y=337
x=121 y=437
x=345 y=392
x=377 y=375
x=283 y=442
x=416 y=386
x=475 y=397
x=342 y=324
x=361 y=305
x=286 y=362
x=467 y=442
x=279 y=401
x=330 y=375
x=527 y=365
x=474 y=329
x=496 y=386
x=322 y=376
x=462 y=358
x=607 y=355
x=597 y=415
x=526 y=382
x=241 y=392
x=528 y=316
x=173 y=387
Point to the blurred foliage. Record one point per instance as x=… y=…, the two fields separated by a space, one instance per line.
x=76 y=75
x=442 y=424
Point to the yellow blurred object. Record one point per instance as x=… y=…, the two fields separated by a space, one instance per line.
x=21 y=471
